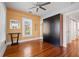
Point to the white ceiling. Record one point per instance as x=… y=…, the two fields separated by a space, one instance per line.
x=74 y=15
x=25 y=6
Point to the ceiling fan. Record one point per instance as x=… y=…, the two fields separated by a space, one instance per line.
x=39 y=5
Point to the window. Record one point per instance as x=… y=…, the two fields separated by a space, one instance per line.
x=26 y=27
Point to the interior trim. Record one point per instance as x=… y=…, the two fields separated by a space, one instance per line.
x=26 y=40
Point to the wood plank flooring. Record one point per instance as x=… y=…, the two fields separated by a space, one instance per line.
x=73 y=48
x=35 y=48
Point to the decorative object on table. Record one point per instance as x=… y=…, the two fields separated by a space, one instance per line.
x=26 y=27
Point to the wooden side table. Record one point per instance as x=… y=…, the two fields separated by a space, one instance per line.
x=11 y=35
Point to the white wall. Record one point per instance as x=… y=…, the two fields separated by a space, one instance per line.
x=72 y=30
x=2 y=28
x=41 y=31
x=65 y=30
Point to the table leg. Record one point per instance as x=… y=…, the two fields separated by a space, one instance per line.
x=11 y=39
x=17 y=38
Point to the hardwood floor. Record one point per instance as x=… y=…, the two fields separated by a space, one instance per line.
x=73 y=49
x=35 y=48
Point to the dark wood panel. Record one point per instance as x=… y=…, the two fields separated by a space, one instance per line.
x=61 y=29
x=55 y=35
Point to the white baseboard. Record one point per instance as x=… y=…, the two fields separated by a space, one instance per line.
x=65 y=45
x=3 y=50
x=25 y=40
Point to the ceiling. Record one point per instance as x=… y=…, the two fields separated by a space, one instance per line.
x=74 y=16
x=25 y=6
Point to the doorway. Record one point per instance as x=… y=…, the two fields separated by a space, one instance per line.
x=72 y=29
